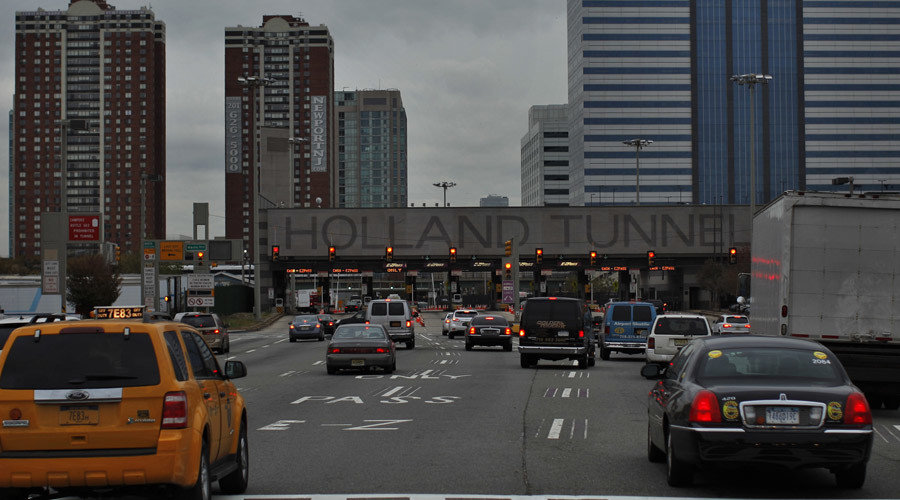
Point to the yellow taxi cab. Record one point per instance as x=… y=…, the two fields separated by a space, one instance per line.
x=123 y=404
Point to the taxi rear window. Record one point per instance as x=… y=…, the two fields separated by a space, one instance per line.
x=80 y=361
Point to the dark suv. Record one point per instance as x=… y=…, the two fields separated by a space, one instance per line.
x=556 y=328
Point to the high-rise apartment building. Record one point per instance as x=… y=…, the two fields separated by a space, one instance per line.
x=279 y=86
x=545 y=157
x=662 y=71
x=90 y=89
x=371 y=149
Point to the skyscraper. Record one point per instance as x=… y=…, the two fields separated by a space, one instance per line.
x=371 y=149
x=661 y=71
x=279 y=81
x=545 y=157
x=92 y=79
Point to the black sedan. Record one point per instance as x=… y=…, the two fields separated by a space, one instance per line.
x=489 y=330
x=328 y=322
x=305 y=326
x=360 y=346
x=757 y=400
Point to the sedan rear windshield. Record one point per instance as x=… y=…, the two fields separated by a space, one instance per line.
x=306 y=319
x=199 y=321
x=80 y=360
x=765 y=363
x=489 y=320
x=737 y=319
x=680 y=326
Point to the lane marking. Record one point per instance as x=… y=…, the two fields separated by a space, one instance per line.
x=251 y=350
x=285 y=374
x=280 y=341
x=555 y=428
x=567 y=392
x=879 y=434
x=317 y=363
x=393 y=391
x=571 y=374
x=281 y=425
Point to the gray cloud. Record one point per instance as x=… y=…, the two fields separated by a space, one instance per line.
x=467 y=71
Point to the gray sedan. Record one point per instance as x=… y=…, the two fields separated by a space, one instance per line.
x=360 y=346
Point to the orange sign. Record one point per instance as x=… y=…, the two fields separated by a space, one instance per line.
x=171 y=250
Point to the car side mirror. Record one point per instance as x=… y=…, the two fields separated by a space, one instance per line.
x=235 y=369
x=650 y=371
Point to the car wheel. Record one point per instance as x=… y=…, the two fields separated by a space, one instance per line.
x=321 y=337
x=604 y=354
x=524 y=360
x=592 y=361
x=508 y=347
x=450 y=335
x=677 y=472
x=892 y=402
x=391 y=367
x=444 y=333
x=292 y=339
x=201 y=489
x=235 y=483
x=468 y=346
x=331 y=370
x=654 y=454
x=13 y=494
x=852 y=477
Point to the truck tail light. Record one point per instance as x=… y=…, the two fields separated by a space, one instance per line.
x=857 y=411
x=175 y=410
x=705 y=408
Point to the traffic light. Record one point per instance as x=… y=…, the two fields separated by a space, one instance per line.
x=508 y=250
x=332 y=254
x=538 y=255
x=200 y=258
x=452 y=254
x=732 y=255
x=275 y=252
x=118 y=254
x=651 y=258
x=507 y=271
x=389 y=254
x=593 y=258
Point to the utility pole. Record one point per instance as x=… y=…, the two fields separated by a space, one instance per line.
x=444 y=185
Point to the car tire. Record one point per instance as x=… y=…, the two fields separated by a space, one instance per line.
x=201 y=490
x=852 y=477
x=592 y=361
x=525 y=360
x=411 y=344
x=13 y=494
x=891 y=402
x=331 y=370
x=391 y=368
x=604 y=354
x=583 y=362
x=450 y=334
x=508 y=347
x=236 y=482
x=292 y=339
x=468 y=346
x=677 y=472
x=654 y=454
x=321 y=337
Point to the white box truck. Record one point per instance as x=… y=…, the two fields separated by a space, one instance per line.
x=826 y=266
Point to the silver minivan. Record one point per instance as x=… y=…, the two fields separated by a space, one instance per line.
x=396 y=317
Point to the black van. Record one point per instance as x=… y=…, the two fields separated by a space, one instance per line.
x=556 y=328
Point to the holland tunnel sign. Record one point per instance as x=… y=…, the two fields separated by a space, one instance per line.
x=419 y=232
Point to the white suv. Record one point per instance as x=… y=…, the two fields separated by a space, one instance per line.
x=671 y=332
x=460 y=321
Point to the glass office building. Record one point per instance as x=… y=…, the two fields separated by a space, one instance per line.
x=661 y=70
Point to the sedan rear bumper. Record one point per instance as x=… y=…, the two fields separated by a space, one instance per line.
x=790 y=448
x=553 y=350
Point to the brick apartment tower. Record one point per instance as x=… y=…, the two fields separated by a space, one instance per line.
x=106 y=69
x=279 y=120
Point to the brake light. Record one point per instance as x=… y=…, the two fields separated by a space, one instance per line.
x=508 y=331
x=334 y=350
x=521 y=332
x=318 y=325
x=175 y=411
x=651 y=343
x=551 y=298
x=291 y=326
x=747 y=325
x=408 y=323
x=472 y=331
x=490 y=318
x=380 y=350
x=331 y=323
x=705 y=408
x=581 y=334
x=857 y=411
x=726 y=325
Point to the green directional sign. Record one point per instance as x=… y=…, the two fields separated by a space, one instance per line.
x=149 y=244
x=195 y=247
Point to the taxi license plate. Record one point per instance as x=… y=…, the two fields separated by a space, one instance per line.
x=680 y=342
x=395 y=324
x=79 y=415
x=357 y=362
x=782 y=415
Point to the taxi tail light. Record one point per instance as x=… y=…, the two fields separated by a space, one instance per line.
x=175 y=410
x=857 y=411
x=705 y=408
x=651 y=343
x=508 y=331
x=472 y=331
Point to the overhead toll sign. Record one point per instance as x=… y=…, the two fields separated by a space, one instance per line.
x=171 y=250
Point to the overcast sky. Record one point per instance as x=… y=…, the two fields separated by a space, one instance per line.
x=467 y=71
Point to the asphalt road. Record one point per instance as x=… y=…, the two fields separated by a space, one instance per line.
x=454 y=422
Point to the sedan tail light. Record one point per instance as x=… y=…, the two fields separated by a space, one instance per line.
x=705 y=408
x=175 y=411
x=521 y=332
x=857 y=411
x=334 y=350
x=472 y=331
x=747 y=325
x=381 y=350
x=508 y=331
x=726 y=325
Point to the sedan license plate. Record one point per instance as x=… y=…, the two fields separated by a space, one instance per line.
x=79 y=415
x=782 y=415
x=357 y=362
x=490 y=331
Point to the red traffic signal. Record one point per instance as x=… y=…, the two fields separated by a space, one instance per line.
x=389 y=253
x=732 y=255
x=275 y=251
x=538 y=255
x=452 y=254
x=593 y=258
x=332 y=254
x=651 y=258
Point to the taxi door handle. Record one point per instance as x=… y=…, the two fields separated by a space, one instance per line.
x=221 y=394
x=206 y=395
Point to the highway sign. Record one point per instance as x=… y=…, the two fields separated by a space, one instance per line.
x=171 y=250
x=200 y=282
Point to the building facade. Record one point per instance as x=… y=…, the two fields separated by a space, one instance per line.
x=90 y=89
x=545 y=157
x=662 y=71
x=494 y=200
x=371 y=149
x=279 y=80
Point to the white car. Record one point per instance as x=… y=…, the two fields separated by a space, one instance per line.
x=731 y=323
x=460 y=321
x=671 y=332
x=445 y=324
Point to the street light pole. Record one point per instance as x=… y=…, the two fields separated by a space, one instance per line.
x=445 y=185
x=637 y=144
x=255 y=83
x=750 y=80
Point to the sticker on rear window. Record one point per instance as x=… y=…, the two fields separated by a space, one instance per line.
x=714 y=354
x=820 y=355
